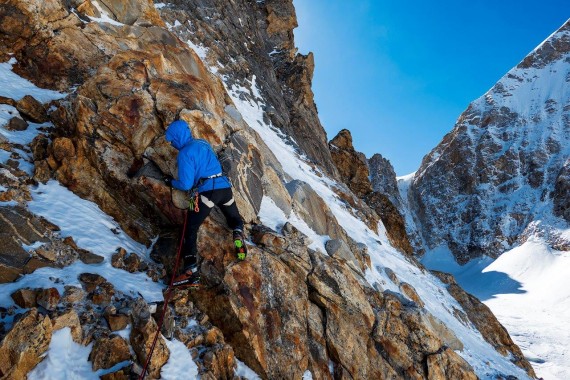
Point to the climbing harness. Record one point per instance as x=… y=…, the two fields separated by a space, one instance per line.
x=166 y=300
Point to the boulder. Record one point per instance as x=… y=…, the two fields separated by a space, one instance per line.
x=109 y=351
x=25 y=298
x=313 y=210
x=17 y=124
x=48 y=298
x=62 y=147
x=117 y=321
x=25 y=345
x=69 y=319
x=410 y=292
x=72 y=295
x=32 y=109
x=266 y=237
x=339 y=249
x=219 y=363
x=142 y=334
x=17 y=226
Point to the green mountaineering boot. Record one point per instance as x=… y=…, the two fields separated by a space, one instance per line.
x=239 y=245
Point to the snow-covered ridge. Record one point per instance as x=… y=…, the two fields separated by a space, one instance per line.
x=497 y=169
x=488 y=192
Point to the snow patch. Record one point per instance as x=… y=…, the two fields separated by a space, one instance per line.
x=245 y=372
x=16 y=87
x=273 y=217
x=180 y=363
x=68 y=360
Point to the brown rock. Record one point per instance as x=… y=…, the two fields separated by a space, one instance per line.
x=63 y=148
x=17 y=124
x=219 y=363
x=117 y=321
x=392 y=220
x=213 y=336
x=46 y=253
x=132 y=263
x=108 y=351
x=34 y=264
x=142 y=334
x=23 y=347
x=72 y=294
x=8 y=273
x=118 y=258
x=103 y=294
x=39 y=147
x=9 y=101
x=88 y=9
x=123 y=374
x=448 y=365
x=266 y=237
x=69 y=319
x=411 y=293
x=87 y=257
x=25 y=298
x=352 y=165
x=130 y=12
x=48 y=298
x=17 y=226
x=91 y=281
x=32 y=109
x=42 y=172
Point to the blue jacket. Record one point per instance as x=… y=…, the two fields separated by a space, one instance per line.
x=196 y=160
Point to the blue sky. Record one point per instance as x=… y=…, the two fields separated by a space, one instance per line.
x=398 y=74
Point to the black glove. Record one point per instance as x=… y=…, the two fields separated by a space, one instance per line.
x=167 y=180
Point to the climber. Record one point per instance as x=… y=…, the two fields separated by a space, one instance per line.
x=200 y=173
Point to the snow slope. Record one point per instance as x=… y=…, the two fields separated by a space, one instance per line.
x=528 y=289
x=485 y=360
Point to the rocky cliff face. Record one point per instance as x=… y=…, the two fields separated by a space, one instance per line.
x=501 y=174
x=339 y=303
x=384 y=201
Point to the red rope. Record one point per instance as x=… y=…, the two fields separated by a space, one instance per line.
x=166 y=299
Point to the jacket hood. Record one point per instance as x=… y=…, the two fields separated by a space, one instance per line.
x=178 y=134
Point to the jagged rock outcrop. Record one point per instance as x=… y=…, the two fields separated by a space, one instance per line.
x=502 y=166
x=354 y=171
x=383 y=179
x=259 y=45
x=352 y=165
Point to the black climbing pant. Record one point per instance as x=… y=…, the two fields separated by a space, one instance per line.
x=223 y=198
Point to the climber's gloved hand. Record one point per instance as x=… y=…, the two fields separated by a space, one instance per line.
x=167 y=180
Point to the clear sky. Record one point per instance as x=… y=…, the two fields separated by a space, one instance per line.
x=398 y=74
